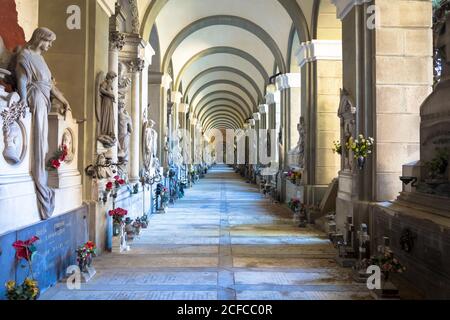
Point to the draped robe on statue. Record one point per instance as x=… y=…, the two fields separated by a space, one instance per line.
x=39 y=86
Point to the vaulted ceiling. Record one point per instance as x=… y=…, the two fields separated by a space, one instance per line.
x=222 y=53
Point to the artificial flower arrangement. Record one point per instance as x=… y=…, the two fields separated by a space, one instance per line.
x=111 y=187
x=337 y=147
x=294 y=204
x=85 y=253
x=59 y=157
x=387 y=263
x=163 y=192
x=294 y=176
x=362 y=148
x=118 y=215
x=29 y=289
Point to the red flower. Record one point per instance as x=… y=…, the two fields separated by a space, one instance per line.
x=109 y=186
x=25 y=249
x=55 y=164
x=116 y=178
x=121 y=182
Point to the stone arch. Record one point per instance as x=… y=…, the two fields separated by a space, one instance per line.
x=229 y=82
x=249 y=109
x=226 y=69
x=235 y=21
x=227 y=50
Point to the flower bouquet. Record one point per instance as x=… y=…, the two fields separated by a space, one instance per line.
x=59 y=157
x=85 y=253
x=362 y=148
x=118 y=216
x=294 y=204
x=337 y=147
x=294 y=176
x=29 y=289
x=387 y=263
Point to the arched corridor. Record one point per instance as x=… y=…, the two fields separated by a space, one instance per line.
x=225 y=149
x=223 y=241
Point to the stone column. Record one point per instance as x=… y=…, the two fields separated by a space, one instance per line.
x=286 y=82
x=166 y=85
x=322 y=122
x=136 y=67
x=263 y=108
x=257 y=118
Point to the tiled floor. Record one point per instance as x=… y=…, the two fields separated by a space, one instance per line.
x=223 y=241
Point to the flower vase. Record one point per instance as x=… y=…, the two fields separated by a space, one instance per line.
x=116 y=229
x=82 y=265
x=361 y=162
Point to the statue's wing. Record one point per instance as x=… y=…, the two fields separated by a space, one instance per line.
x=98 y=96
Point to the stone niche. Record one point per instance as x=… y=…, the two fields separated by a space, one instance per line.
x=347 y=204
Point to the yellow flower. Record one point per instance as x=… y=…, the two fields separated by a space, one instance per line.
x=10 y=285
x=30 y=283
x=35 y=292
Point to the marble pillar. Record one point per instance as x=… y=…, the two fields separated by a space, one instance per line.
x=136 y=67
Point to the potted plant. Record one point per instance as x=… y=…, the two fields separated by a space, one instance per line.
x=362 y=148
x=29 y=289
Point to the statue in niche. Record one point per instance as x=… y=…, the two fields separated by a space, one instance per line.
x=299 y=151
x=105 y=109
x=348 y=134
x=36 y=88
x=124 y=83
x=125 y=130
x=347 y=114
x=150 y=145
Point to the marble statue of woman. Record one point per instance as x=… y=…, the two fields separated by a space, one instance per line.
x=150 y=144
x=35 y=87
x=125 y=130
x=105 y=110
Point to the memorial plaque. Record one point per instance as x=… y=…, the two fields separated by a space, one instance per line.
x=7 y=261
x=59 y=238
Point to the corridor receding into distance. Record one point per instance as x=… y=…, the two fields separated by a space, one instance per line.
x=224 y=241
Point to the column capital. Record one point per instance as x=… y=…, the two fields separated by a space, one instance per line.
x=149 y=52
x=273 y=97
x=263 y=108
x=176 y=97
x=343 y=7
x=319 y=50
x=166 y=81
x=136 y=65
x=251 y=122
x=257 y=116
x=288 y=80
x=183 y=108
x=116 y=40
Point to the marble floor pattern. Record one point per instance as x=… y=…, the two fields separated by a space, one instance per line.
x=222 y=241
